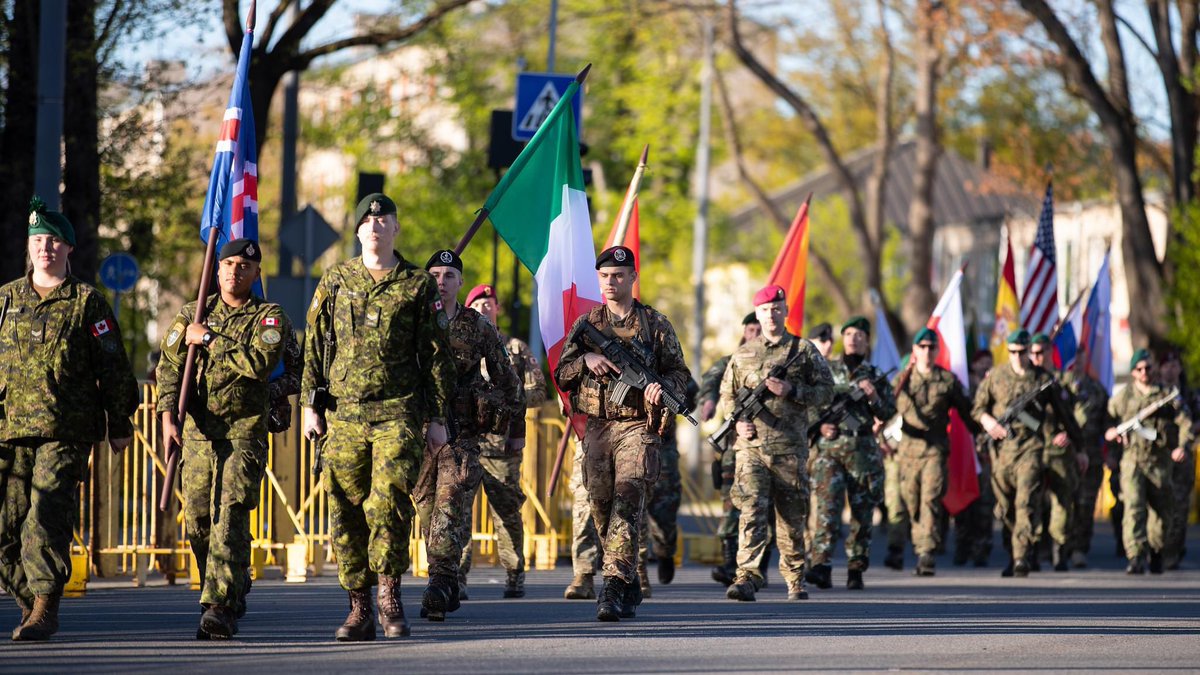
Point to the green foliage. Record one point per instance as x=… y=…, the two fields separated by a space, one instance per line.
x=1183 y=289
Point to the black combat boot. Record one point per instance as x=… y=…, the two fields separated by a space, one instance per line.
x=820 y=576
x=42 y=621
x=854 y=580
x=462 y=586
x=514 y=584
x=666 y=569
x=608 y=608
x=894 y=559
x=1059 y=557
x=1021 y=567
x=629 y=602
x=391 y=611
x=217 y=623
x=359 y=625
x=926 y=566
x=440 y=598
x=1156 y=562
x=1137 y=565
x=26 y=612
x=743 y=588
x=248 y=583
x=583 y=587
x=723 y=573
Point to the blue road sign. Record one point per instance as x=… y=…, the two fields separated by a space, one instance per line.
x=536 y=95
x=119 y=272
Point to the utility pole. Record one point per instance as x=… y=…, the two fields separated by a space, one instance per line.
x=700 y=226
x=535 y=330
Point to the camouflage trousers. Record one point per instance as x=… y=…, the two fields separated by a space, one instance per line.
x=847 y=468
x=620 y=465
x=370 y=470
x=662 y=506
x=1061 y=479
x=1017 y=484
x=898 y=523
x=764 y=481
x=922 y=487
x=501 y=482
x=40 y=489
x=220 y=481
x=974 y=525
x=444 y=495
x=1148 y=493
x=1174 y=531
x=585 y=543
x=1084 y=523
x=730 y=514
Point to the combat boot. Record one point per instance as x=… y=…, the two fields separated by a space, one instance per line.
x=1021 y=567
x=894 y=559
x=1156 y=562
x=514 y=584
x=241 y=606
x=1137 y=565
x=217 y=623
x=630 y=600
x=1078 y=560
x=42 y=621
x=608 y=608
x=643 y=575
x=666 y=569
x=926 y=566
x=764 y=566
x=820 y=576
x=25 y=614
x=723 y=573
x=359 y=625
x=1059 y=558
x=796 y=590
x=391 y=611
x=583 y=587
x=743 y=588
x=440 y=598
x=462 y=587
x=854 y=580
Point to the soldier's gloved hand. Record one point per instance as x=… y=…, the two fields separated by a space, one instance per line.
x=1061 y=440
x=1178 y=455
x=707 y=409
x=779 y=387
x=313 y=424
x=119 y=444
x=829 y=431
x=746 y=430
x=435 y=436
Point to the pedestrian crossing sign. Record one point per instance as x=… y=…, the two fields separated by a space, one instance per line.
x=537 y=93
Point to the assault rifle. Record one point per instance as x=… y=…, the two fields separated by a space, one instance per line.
x=1134 y=424
x=635 y=372
x=318 y=399
x=1015 y=412
x=749 y=405
x=838 y=412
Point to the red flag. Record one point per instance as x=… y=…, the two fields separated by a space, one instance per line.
x=632 y=242
x=791 y=268
x=962 y=472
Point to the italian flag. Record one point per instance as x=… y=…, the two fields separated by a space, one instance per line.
x=962 y=481
x=540 y=209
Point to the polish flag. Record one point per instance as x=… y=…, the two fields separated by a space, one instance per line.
x=962 y=482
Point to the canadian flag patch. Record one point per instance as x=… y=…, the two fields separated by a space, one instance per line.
x=437 y=305
x=100 y=328
x=270 y=321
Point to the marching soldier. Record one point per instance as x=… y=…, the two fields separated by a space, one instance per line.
x=67 y=384
x=848 y=462
x=1183 y=474
x=973 y=525
x=661 y=531
x=621 y=445
x=224 y=437
x=772 y=455
x=1146 y=464
x=377 y=369
x=500 y=457
x=925 y=394
x=1091 y=413
x=585 y=542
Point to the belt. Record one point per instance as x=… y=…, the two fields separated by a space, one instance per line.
x=921 y=434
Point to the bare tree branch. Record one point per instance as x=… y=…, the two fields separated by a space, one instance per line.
x=233 y=25
x=382 y=38
x=272 y=20
x=1138 y=36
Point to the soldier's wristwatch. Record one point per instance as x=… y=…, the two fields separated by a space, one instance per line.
x=207 y=338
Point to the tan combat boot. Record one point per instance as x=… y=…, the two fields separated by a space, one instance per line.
x=391 y=610
x=359 y=625
x=26 y=611
x=42 y=621
x=582 y=588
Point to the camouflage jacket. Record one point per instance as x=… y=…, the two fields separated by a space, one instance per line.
x=866 y=410
x=1001 y=386
x=590 y=394
x=231 y=398
x=529 y=371
x=391 y=354
x=493 y=404
x=63 y=366
x=288 y=382
x=812 y=387
x=710 y=381
x=1125 y=404
x=1091 y=409
x=924 y=403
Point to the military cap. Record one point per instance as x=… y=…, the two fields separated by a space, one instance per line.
x=480 y=291
x=247 y=248
x=1140 y=355
x=44 y=221
x=1019 y=336
x=749 y=319
x=1040 y=339
x=374 y=204
x=616 y=256
x=859 y=322
x=925 y=335
x=444 y=258
x=771 y=293
x=822 y=331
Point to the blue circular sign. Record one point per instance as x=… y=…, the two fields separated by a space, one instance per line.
x=119 y=272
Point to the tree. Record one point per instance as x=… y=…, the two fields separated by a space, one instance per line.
x=19 y=132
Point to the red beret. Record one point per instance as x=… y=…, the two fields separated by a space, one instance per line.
x=772 y=293
x=480 y=291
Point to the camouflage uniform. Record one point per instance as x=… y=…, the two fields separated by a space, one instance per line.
x=1183 y=481
x=622 y=441
x=771 y=467
x=63 y=370
x=224 y=449
x=585 y=542
x=391 y=371
x=710 y=390
x=924 y=402
x=502 y=467
x=662 y=505
x=973 y=526
x=1091 y=412
x=451 y=475
x=850 y=466
x=1060 y=475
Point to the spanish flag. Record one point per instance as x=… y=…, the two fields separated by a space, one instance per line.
x=791 y=268
x=1008 y=308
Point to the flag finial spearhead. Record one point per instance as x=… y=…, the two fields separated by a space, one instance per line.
x=583 y=74
x=250 y=16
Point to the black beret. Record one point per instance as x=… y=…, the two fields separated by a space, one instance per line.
x=374 y=204
x=821 y=331
x=749 y=319
x=247 y=248
x=617 y=256
x=444 y=258
x=859 y=322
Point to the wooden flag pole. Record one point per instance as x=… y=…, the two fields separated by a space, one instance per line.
x=631 y=195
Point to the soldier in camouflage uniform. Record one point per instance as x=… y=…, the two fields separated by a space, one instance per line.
x=621 y=445
x=973 y=525
x=710 y=395
x=63 y=370
x=500 y=458
x=585 y=542
x=662 y=506
x=491 y=405
x=925 y=394
x=1016 y=450
x=1146 y=465
x=1183 y=474
x=389 y=372
x=772 y=453
x=848 y=462
x=224 y=435
x=1062 y=466
x=1091 y=413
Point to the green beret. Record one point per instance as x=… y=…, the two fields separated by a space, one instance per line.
x=247 y=248
x=1139 y=355
x=859 y=322
x=1019 y=336
x=925 y=335
x=1040 y=339
x=44 y=221
x=374 y=204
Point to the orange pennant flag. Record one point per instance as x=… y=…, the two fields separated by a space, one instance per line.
x=632 y=242
x=791 y=268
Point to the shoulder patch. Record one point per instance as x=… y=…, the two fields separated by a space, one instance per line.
x=270 y=321
x=271 y=336
x=437 y=305
x=315 y=308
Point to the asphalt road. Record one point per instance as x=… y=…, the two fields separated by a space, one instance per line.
x=961 y=619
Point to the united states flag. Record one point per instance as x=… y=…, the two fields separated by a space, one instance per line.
x=1039 y=304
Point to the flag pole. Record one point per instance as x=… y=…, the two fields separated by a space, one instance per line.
x=631 y=195
x=1062 y=321
x=189 y=368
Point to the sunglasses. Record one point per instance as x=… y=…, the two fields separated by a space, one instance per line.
x=926 y=345
x=1037 y=353
x=1016 y=351
x=1141 y=369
